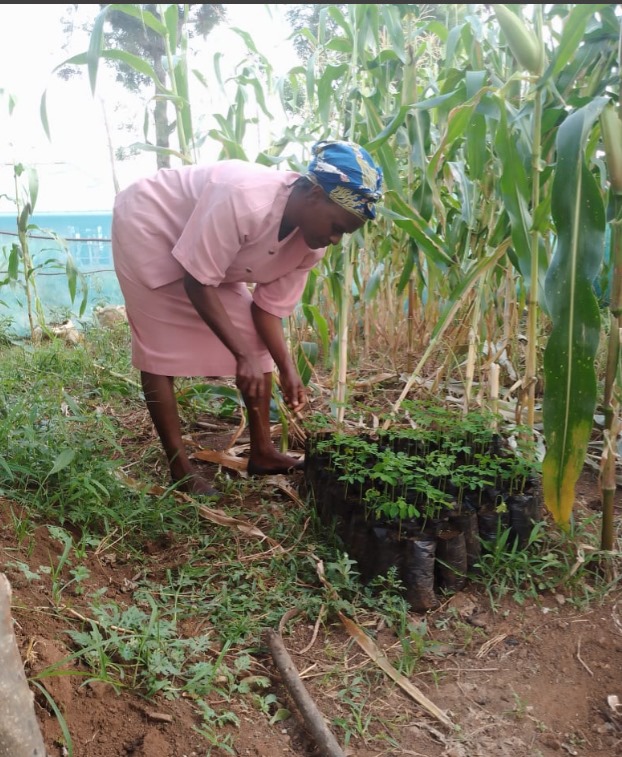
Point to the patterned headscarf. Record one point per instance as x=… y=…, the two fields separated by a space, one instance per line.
x=348 y=175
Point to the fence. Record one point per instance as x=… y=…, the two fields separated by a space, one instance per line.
x=87 y=238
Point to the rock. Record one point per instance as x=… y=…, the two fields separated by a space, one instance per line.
x=110 y=315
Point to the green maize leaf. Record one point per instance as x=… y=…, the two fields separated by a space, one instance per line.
x=33 y=186
x=72 y=277
x=325 y=90
x=14 y=258
x=457 y=124
x=572 y=36
x=383 y=152
x=96 y=44
x=477 y=149
x=516 y=192
x=171 y=19
x=184 y=113
x=373 y=284
x=310 y=78
x=211 y=390
x=318 y=322
x=569 y=373
x=467 y=193
x=133 y=61
x=306 y=358
x=408 y=268
x=393 y=25
x=408 y=219
x=474 y=81
x=230 y=149
x=340 y=45
x=258 y=89
x=395 y=123
x=154 y=148
x=453 y=39
x=335 y=13
x=43 y=114
x=418 y=128
x=138 y=12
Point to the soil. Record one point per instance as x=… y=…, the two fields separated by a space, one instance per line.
x=524 y=680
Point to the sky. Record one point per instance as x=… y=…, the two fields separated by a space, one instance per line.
x=74 y=166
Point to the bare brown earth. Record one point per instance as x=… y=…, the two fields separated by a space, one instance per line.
x=525 y=681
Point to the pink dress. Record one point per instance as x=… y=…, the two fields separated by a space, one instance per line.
x=220 y=223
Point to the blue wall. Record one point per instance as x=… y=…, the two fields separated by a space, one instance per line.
x=87 y=239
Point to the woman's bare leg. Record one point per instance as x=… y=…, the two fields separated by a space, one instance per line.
x=264 y=457
x=162 y=405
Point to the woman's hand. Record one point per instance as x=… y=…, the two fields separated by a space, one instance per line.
x=292 y=388
x=270 y=329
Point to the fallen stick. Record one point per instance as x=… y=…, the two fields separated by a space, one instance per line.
x=19 y=729
x=324 y=738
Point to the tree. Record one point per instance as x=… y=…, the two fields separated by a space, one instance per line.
x=130 y=34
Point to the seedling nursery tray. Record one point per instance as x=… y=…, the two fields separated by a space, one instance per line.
x=427 y=500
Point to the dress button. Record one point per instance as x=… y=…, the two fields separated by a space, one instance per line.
x=271 y=252
x=249 y=270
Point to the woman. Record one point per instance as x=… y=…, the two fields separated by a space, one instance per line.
x=187 y=243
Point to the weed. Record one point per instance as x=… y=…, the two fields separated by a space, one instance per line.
x=22 y=525
x=68 y=743
x=211 y=721
x=550 y=561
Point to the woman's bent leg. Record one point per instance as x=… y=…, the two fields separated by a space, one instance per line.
x=162 y=405
x=264 y=458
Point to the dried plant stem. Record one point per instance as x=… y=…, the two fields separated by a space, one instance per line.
x=324 y=738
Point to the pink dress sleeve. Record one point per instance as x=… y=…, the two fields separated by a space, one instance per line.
x=281 y=296
x=212 y=237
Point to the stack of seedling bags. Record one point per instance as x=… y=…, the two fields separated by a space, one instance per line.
x=425 y=497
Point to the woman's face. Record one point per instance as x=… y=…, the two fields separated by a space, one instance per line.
x=324 y=222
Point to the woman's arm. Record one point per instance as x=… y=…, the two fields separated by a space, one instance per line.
x=270 y=329
x=249 y=377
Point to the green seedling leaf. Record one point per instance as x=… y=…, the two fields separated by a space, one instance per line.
x=280 y=715
x=306 y=359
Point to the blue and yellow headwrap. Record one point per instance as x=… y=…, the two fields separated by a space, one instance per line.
x=348 y=175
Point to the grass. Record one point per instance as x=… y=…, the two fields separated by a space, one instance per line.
x=73 y=424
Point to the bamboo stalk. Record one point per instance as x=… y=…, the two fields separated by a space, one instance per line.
x=529 y=385
x=410 y=347
x=472 y=354
x=494 y=389
x=342 y=357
